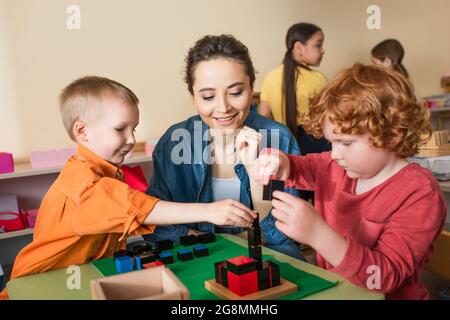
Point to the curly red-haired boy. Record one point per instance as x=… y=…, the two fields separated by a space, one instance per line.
x=376 y=216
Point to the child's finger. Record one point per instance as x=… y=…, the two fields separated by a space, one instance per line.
x=285 y=197
x=281 y=205
x=283 y=227
x=280 y=215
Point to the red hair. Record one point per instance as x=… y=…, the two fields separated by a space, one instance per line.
x=372 y=100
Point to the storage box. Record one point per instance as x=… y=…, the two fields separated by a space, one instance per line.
x=50 y=158
x=157 y=283
x=6 y=162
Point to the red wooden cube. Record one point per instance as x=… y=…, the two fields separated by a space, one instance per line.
x=243 y=284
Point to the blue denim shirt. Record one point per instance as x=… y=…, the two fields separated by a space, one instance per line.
x=182 y=173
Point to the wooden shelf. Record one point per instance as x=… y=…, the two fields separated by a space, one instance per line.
x=24 y=169
x=445 y=186
x=17 y=233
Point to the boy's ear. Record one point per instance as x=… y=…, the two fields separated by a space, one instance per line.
x=79 y=131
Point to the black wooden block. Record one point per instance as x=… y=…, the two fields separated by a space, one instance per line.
x=120 y=253
x=146 y=257
x=273 y=185
x=162 y=245
x=255 y=252
x=188 y=240
x=141 y=248
x=254 y=233
x=201 y=251
x=221 y=273
x=184 y=254
x=166 y=257
x=206 y=237
x=269 y=276
x=241 y=265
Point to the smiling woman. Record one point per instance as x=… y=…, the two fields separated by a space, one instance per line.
x=222 y=102
x=220 y=77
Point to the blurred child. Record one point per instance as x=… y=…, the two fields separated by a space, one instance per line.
x=89 y=211
x=376 y=216
x=389 y=53
x=287 y=89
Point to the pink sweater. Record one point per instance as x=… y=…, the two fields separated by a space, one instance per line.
x=390 y=228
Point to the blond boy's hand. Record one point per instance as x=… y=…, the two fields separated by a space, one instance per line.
x=231 y=213
x=271 y=162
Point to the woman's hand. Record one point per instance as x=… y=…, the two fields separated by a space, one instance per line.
x=247 y=145
x=230 y=212
x=271 y=163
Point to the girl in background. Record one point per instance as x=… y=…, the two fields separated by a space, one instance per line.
x=389 y=53
x=288 y=88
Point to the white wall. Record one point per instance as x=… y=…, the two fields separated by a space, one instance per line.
x=142 y=43
x=10 y=133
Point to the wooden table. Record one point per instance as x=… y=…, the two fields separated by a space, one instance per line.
x=52 y=284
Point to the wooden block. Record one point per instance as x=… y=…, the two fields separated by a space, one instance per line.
x=284 y=289
x=438 y=139
x=274 y=185
x=206 y=237
x=162 y=245
x=152 y=264
x=157 y=283
x=188 y=240
x=201 y=251
x=185 y=254
x=241 y=265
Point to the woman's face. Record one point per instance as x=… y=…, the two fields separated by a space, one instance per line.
x=222 y=93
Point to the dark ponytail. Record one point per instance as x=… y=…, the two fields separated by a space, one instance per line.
x=400 y=68
x=298 y=32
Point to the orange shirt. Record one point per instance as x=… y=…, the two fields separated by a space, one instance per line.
x=87 y=214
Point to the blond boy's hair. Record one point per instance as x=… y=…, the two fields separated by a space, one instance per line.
x=372 y=100
x=78 y=101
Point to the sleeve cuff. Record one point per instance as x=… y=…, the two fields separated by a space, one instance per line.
x=291 y=181
x=351 y=263
x=142 y=205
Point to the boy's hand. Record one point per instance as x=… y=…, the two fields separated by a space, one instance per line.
x=271 y=162
x=247 y=145
x=296 y=218
x=230 y=212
